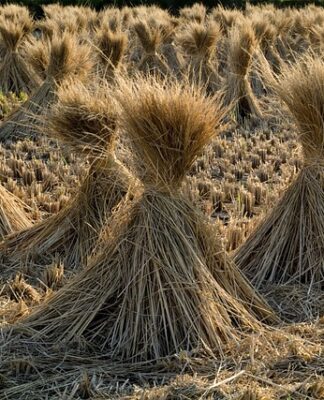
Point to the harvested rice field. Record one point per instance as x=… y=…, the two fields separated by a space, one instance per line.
x=162 y=203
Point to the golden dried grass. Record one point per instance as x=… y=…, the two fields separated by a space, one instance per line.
x=111 y=47
x=199 y=42
x=238 y=91
x=63 y=59
x=288 y=245
x=16 y=75
x=160 y=282
x=86 y=122
x=151 y=39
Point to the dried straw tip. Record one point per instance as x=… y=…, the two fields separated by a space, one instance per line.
x=288 y=246
x=60 y=60
x=16 y=13
x=197 y=13
x=83 y=119
x=68 y=58
x=37 y=54
x=199 y=42
x=86 y=121
x=16 y=75
x=226 y=18
x=141 y=299
x=238 y=91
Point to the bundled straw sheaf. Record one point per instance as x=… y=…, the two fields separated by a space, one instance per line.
x=238 y=91
x=11 y=35
x=14 y=13
x=18 y=19
x=69 y=58
x=16 y=75
x=151 y=39
x=242 y=46
x=85 y=121
x=58 y=60
x=301 y=88
x=226 y=18
x=38 y=54
x=199 y=42
x=288 y=245
x=160 y=283
x=111 y=48
x=266 y=35
x=170 y=138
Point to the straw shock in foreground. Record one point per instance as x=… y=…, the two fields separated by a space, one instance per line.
x=160 y=282
x=288 y=246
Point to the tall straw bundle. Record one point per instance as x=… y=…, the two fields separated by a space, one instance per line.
x=282 y=20
x=13 y=216
x=289 y=244
x=169 y=51
x=299 y=31
x=150 y=292
x=151 y=39
x=266 y=34
x=199 y=42
x=238 y=91
x=59 y=60
x=110 y=47
x=85 y=121
x=15 y=73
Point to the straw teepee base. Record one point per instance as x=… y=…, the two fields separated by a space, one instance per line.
x=73 y=232
x=288 y=246
x=148 y=294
